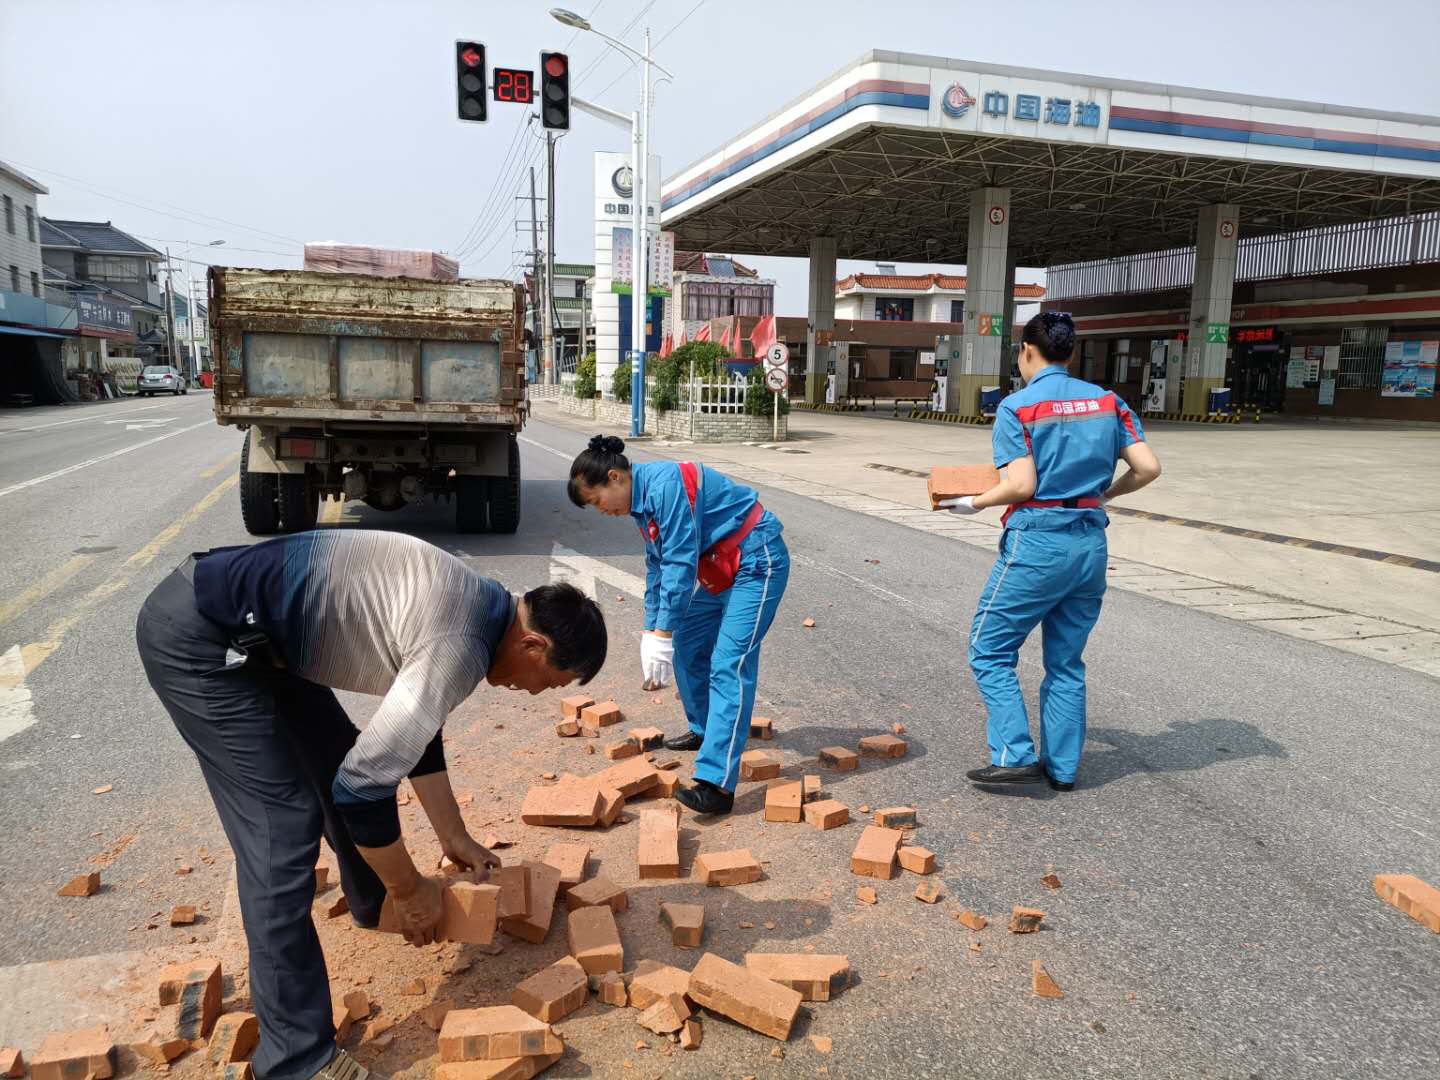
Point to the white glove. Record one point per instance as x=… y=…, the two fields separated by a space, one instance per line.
x=657 y=660
x=964 y=505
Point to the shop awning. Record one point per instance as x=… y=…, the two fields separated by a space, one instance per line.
x=23 y=332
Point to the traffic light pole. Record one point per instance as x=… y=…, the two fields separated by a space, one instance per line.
x=550 y=358
x=537 y=295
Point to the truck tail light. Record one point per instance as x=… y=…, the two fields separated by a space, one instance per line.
x=302 y=448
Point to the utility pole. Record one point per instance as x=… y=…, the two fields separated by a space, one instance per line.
x=538 y=296
x=170 y=311
x=550 y=364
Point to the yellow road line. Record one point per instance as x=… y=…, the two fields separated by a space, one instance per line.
x=12 y=609
x=223 y=463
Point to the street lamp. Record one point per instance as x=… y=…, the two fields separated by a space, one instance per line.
x=639 y=123
x=189 y=302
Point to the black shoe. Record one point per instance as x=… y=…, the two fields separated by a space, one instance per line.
x=688 y=741
x=999 y=774
x=1058 y=785
x=706 y=798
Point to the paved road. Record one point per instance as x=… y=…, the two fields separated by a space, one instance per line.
x=1239 y=792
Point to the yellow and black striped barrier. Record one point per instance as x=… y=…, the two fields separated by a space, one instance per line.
x=823 y=407
x=1237 y=417
x=950 y=418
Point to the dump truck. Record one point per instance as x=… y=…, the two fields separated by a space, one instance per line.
x=387 y=390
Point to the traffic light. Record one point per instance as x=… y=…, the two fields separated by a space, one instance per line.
x=555 y=90
x=470 y=80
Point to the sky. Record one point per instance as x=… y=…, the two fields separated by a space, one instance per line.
x=267 y=124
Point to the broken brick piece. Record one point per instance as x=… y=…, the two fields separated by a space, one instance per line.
x=595 y=939
x=500 y=1031
x=969 y=919
x=341 y=1016
x=357 y=1004
x=647 y=738
x=758 y=765
x=514 y=885
x=652 y=981
x=182 y=914
x=866 y=895
x=811 y=786
x=1050 y=881
x=618 y=751
x=570 y=860
x=666 y=1015
x=554 y=805
x=572 y=707
x=195 y=987
x=874 y=855
x=83 y=885
x=469 y=912
x=1041 y=982
x=929 y=892
x=1416 y=898
x=612 y=989
x=12 y=1062
x=535 y=924
x=567 y=729
x=783 y=800
x=598 y=890
x=554 y=992
x=839 y=758
x=686 y=923
x=1025 y=920
x=808 y=623
x=414 y=988
x=896 y=817
x=761 y=727
x=337 y=907
x=956 y=481
x=156 y=1047
x=888 y=746
x=917 y=860
x=629 y=778
x=658 y=846
x=234 y=1039
x=611 y=803
x=600 y=715
x=743 y=996
x=827 y=814
x=669 y=782
x=516 y=1068
x=87 y=1054
x=736 y=867
x=690 y=1035
x=434 y=1014
x=816 y=976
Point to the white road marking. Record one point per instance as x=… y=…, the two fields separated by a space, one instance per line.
x=571 y=564
x=17 y=710
x=145 y=423
x=77 y=420
x=97 y=460
x=548 y=449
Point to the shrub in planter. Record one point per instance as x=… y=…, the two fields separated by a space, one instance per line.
x=620 y=383
x=759 y=398
x=585 y=378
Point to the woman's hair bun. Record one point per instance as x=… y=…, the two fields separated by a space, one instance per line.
x=607 y=444
x=1060 y=329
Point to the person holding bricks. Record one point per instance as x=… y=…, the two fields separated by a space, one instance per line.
x=715 y=572
x=1058 y=441
x=245 y=648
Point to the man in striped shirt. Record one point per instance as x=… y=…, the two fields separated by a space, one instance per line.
x=245 y=648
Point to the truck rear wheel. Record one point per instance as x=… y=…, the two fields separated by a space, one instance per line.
x=259 y=497
x=504 y=495
x=299 y=502
x=471 y=504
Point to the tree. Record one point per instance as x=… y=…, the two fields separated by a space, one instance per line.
x=585 y=378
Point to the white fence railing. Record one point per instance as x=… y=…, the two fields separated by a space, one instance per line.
x=712 y=396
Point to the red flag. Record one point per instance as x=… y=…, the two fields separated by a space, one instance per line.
x=725 y=336
x=763 y=336
x=667 y=346
x=703 y=334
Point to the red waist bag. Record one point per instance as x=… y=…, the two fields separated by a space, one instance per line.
x=719 y=563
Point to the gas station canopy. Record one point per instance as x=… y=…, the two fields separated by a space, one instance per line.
x=884 y=154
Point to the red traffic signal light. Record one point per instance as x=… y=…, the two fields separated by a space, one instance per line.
x=472 y=56
x=555 y=65
x=555 y=91
x=470 y=80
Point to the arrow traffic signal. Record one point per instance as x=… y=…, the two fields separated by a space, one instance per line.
x=470 y=80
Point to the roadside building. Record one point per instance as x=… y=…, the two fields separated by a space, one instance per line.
x=706 y=287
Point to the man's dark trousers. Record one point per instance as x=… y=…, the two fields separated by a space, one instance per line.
x=269 y=745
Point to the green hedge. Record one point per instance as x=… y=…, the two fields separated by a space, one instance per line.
x=620 y=383
x=585 y=378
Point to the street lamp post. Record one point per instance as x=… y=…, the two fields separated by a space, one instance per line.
x=191 y=310
x=639 y=124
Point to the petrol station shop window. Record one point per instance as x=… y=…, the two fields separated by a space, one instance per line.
x=895 y=309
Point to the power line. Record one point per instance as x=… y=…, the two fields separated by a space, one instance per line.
x=520 y=125
x=494 y=211
x=656 y=45
x=497 y=218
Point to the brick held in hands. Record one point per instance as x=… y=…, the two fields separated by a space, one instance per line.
x=743 y=996
x=647 y=738
x=758 y=765
x=496 y=1032
x=1025 y=920
x=917 y=860
x=816 y=976
x=553 y=993
x=956 y=481
x=686 y=923
x=195 y=987
x=570 y=860
x=516 y=1068
x=83 y=885
x=888 y=746
x=658 y=845
x=595 y=940
x=618 y=751
x=1416 y=898
x=535 y=924
x=839 y=758
x=572 y=707
x=874 y=855
x=514 y=885
x=597 y=891
x=600 y=715
x=1041 y=982
x=561 y=804
x=736 y=867
x=234 y=1039
x=469 y=912
x=783 y=800
x=72 y=1055
x=827 y=814
x=896 y=817
x=762 y=727
x=666 y=1015
x=653 y=980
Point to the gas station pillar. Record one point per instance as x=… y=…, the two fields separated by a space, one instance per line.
x=820 y=318
x=987 y=305
x=1216 y=238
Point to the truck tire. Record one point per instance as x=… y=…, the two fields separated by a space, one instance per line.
x=504 y=495
x=472 y=504
x=259 y=496
x=299 y=502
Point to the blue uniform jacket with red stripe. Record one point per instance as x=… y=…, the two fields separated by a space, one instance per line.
x=1075 y=431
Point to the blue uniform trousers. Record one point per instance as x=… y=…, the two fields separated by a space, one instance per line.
x=1054 y=577
x=717 y=654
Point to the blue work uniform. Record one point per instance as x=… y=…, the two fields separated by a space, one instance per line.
x=717 y=637
x=1051 y=568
